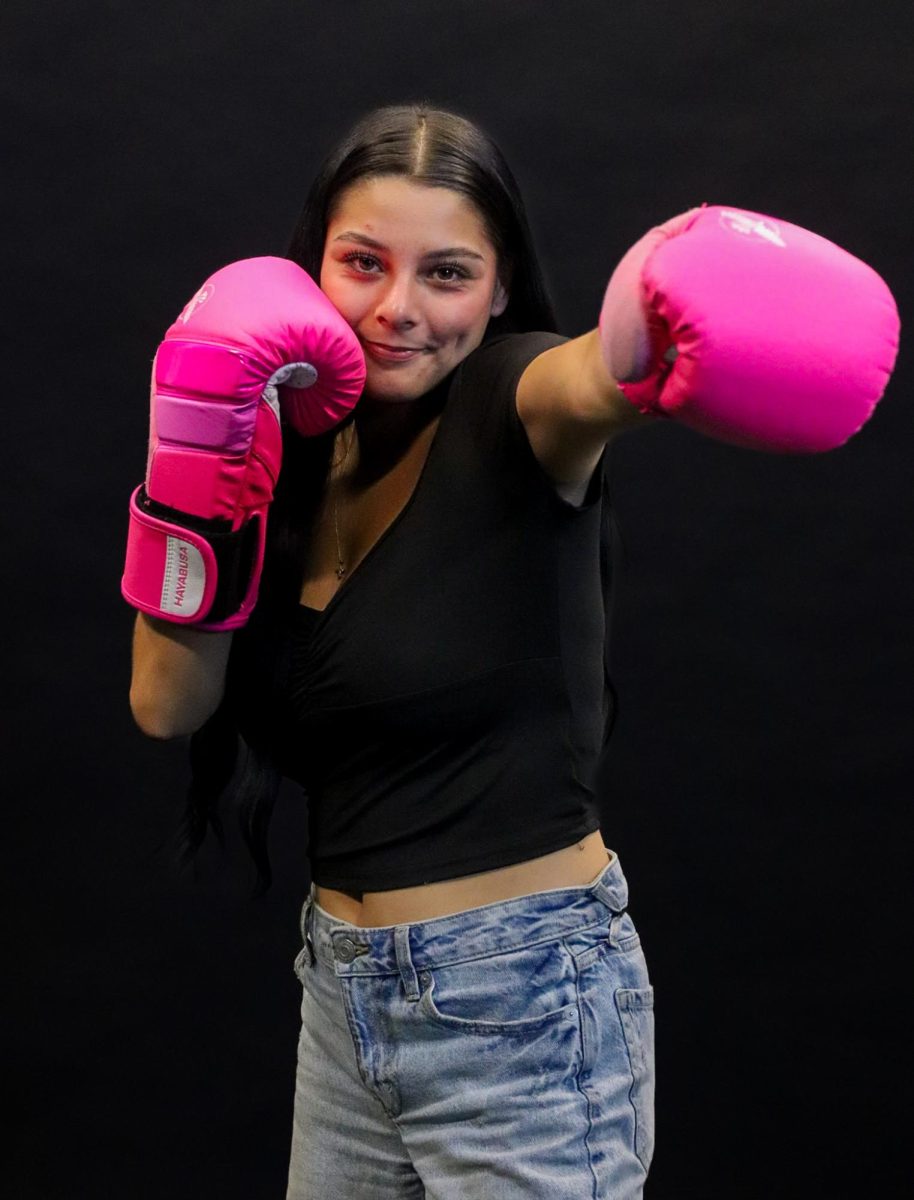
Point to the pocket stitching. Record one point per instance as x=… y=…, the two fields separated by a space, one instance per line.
x=628 y=1002
x=490 y=1028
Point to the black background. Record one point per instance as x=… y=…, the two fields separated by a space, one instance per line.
x=758 y=783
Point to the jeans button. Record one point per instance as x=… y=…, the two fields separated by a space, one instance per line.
x=345 y=950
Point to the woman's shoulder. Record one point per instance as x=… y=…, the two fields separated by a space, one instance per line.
x=497 y=364
x=509 y=346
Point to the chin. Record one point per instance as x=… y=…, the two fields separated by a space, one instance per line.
x=386 y=390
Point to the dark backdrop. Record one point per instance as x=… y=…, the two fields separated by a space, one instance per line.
x=757 y=786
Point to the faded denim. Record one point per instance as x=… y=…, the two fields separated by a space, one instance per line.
x=501 y=1053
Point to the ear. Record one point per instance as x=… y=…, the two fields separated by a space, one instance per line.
x=499 y=299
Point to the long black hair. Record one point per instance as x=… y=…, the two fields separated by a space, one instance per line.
x=435 y=148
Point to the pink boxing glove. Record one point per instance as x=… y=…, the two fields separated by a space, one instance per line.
x=749 y=329
x=259 y=339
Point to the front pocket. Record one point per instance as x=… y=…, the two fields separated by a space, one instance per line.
x=636 y=1012
x=515 y=993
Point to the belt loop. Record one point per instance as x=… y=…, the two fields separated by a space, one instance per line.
x=613 y=891
x=615 y=923
x=405 y=962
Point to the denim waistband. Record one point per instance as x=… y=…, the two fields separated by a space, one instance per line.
x=502 y=926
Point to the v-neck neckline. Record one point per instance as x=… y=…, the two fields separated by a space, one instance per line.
x=319 y=615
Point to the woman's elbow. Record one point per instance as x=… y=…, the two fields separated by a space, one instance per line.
x=150 y=722
x=159 y=722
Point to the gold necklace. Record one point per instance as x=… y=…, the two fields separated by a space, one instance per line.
x=340 y=564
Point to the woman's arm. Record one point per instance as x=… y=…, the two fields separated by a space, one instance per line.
x=198 y=523
x=571 y=407
x=178 y=676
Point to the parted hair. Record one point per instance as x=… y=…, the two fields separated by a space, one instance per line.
x=231 y=756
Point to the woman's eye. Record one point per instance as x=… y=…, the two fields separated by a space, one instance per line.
x=362 y=262
x=449 y=273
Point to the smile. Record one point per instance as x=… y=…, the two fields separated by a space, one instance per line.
x=382 y=353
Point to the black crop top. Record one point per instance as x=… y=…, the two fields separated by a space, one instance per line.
x=446 y=711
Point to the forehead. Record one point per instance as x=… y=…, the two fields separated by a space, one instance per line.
x=400 y=212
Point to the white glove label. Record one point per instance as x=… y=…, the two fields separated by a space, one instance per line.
x=752 y=226
x=184 y=578
x=195 y=302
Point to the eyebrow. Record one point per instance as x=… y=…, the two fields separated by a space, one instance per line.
x=362 y=239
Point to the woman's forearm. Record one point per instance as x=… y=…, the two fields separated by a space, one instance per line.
x=178 y=676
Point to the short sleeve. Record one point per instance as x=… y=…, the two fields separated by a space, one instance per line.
x=486 y=387
x=486 y=384
x=488 y=378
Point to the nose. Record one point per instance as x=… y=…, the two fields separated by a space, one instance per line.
x=398 y=305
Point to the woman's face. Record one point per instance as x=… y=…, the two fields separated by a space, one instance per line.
x=412 y=270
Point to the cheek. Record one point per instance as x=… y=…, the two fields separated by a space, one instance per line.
x=464 y=318
x=347 y=299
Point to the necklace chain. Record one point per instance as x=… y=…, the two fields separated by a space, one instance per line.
x=340 y=564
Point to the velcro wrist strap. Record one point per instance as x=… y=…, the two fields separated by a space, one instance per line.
x=189 y=569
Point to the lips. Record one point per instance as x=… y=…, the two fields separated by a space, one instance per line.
x=384 y=353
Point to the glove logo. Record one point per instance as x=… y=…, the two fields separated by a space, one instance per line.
x=751 y=226
x=184 y=578
x=196 y=302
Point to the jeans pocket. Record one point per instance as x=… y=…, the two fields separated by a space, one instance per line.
x=513 y=993
x=636 y=1012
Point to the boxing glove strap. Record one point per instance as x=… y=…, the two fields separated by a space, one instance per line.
x=186 y=568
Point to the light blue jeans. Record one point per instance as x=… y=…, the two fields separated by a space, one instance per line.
x=505 y=1052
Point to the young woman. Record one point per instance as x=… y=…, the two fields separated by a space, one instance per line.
x=424 y=653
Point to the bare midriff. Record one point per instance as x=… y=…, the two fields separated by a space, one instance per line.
x=572 y=866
